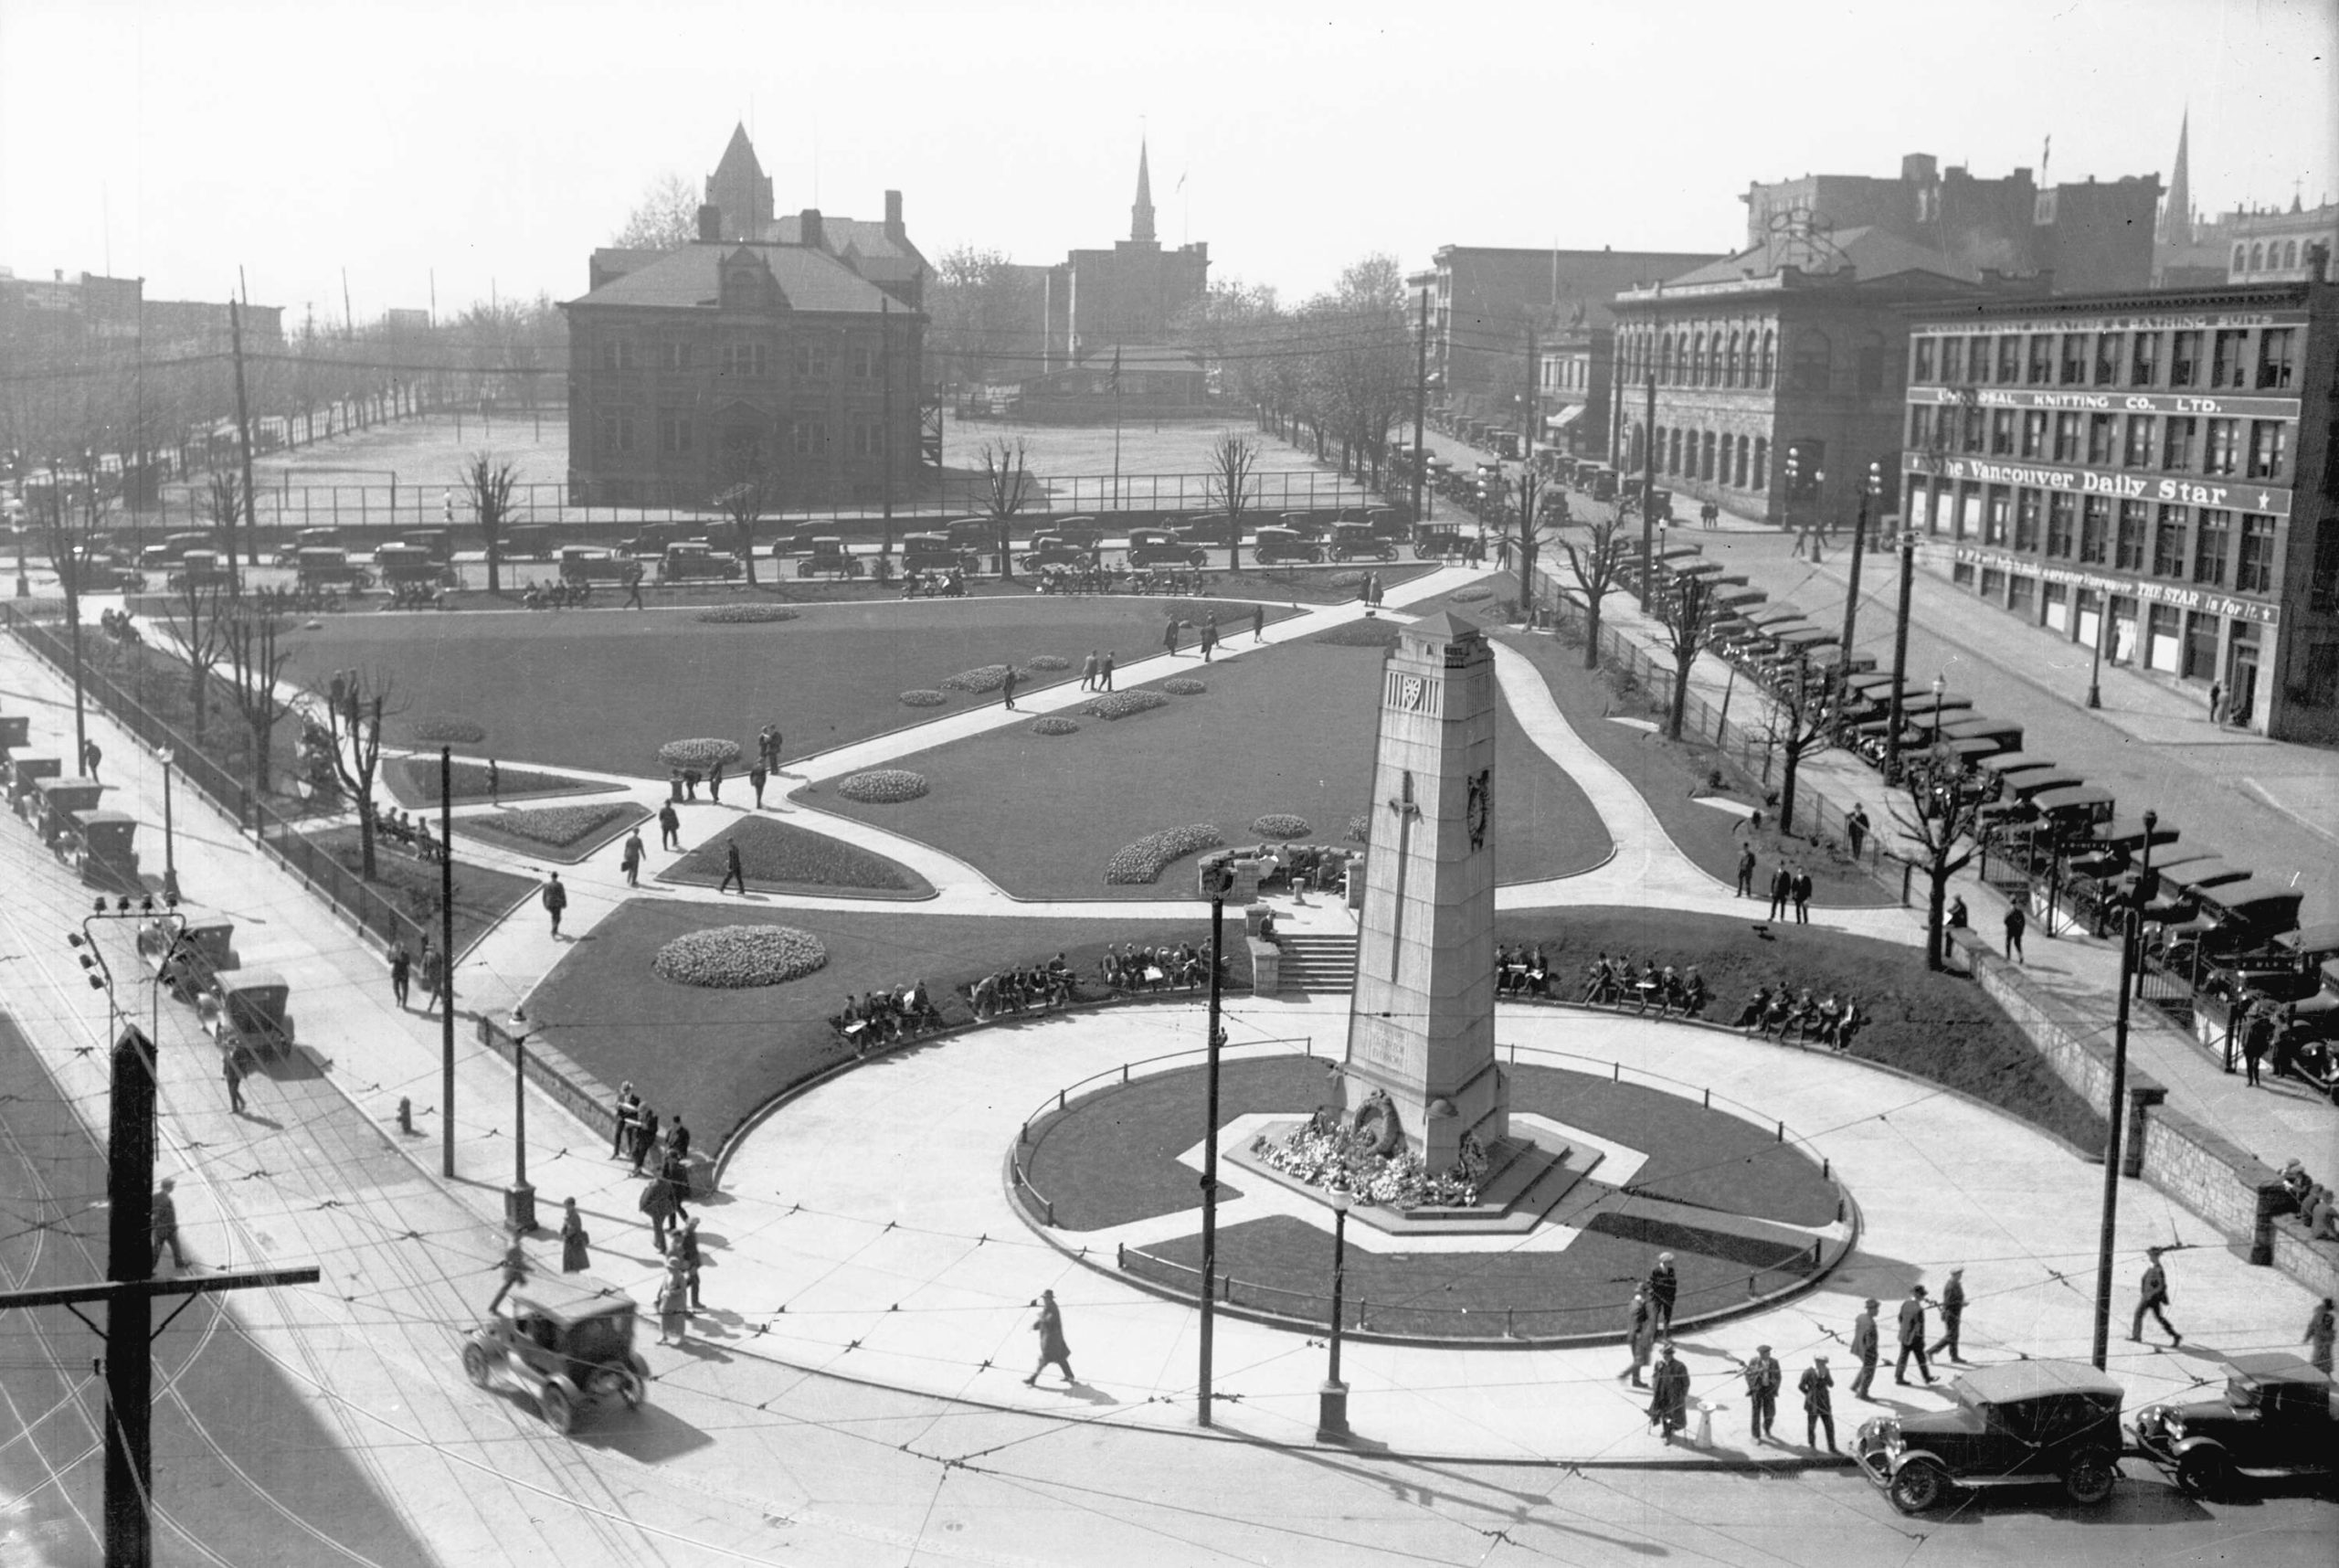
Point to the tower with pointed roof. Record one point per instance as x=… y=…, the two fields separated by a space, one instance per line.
x=1141 y=211
x=2176 y=215
x=1127 y=296
x=740 y=190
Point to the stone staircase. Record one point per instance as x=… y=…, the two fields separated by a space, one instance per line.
x=1321 y=966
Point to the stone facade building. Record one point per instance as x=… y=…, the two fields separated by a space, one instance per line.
x=1129 y=295
x=1574 y=390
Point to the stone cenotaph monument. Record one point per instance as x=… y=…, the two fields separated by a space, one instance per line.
x=1420 y=1024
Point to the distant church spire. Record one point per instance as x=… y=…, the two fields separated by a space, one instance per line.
x=2176 y=218
x=740 y=188
x=1141 y=214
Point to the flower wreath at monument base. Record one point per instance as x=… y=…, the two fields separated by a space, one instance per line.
x=1368 y=1159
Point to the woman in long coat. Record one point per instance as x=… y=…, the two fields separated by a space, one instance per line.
x=573 y=1256
x=674 y=1304
x=1053 y=1349
x=1669 y=1404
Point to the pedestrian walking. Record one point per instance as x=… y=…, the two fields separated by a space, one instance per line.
x=634 y=589
x=1953 y=1314
x=629 y=1117
x=1856 y=828
x=757 y=777
x=1372 y=586
x=91 y=755
x=574 y=1258
x=714 y=782
x=401 y=972
x=1800 y=888
x=515 y=1272
x=1782 y=886
x=2257 y=1037
x=677 y=1172
x=555 y=900
x=1668 y=1399
x=2018 y=921
x=630 y=858
x=1105 y=671
x=1664 y=1286
x=645 y=1135
x=231 y=1067
x=2319 y=1331
x=1640 y=1334
x=1259 y=624
x=2152 y=1296
x=1746 y=871
x=670 y=827
x=1762 y=1379
x=1170 y=638
x=1088 y=671
x=1913 y=1337
x=434 y=976
x=1054 y=1349
x=447 y=504
x=2216 y=702
x=1210 y=635
x=1007 y=688
x=494 y=783
x=1864 y=1350
x=674 y=1305
x=657 y=1203
x=732 y=870
x=1819 y=1403
x=686 y=1249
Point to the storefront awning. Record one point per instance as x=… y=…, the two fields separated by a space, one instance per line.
x=1565 y=416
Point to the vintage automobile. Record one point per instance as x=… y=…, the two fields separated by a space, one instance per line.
x=1312 y=526
x=585 y=564
x=1213 y=530
x=528 y=542
x=101 y=571
x=179 y=544
x=246 y=1008
x=1358 y=542
x=826 y=558
x=1432 y=543
x=322 y=567
x=972 y=532
x=439 y=541
x=202 y=570
x=1160 y=548
x=2275 y=1418
x=188 y=947
x=695 y=560
x=1274 y=545
x=1053 y=550
x=1386 y=522
x=2022 y=1423
x=411 y=567
x=569 y=1351
x=1080 y=533
x=651 y=540
x=934 y=553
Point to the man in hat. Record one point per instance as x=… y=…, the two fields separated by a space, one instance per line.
x=2152 y=1298
x=1668 y=1399
x=1913 y=1337
x=1952 y=1312
x=1763 y=1379
x=1053 y=1349
x=1864 y=1349
x=162 y=1226
x=1664 y=1286
x=1819 y=1408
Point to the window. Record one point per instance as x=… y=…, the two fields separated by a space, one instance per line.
x=2009 y=359
x=2102 y=435
x=2135 y=517
x=2168 y=543
x=2161 y=641
x=2140 y=440
x=675 y=435
x=1993 y=583
x=864 y=360
x=2034 y=434
x=2275 y=349
x=2291 y=254
x=1664 y=358
x=2322 y=579
x=2022 y=594
x=1994 y=516
x=2266 y=448
x=1706 y=467
x=2062 y=516
x=2026 y=520
x=2143 y=365
x=2108 y=354
x=2074 y=359
x=1697 y=360
x=1953 y=360
x=2256 y=257
x=673 y=356
x=2176 y=442
x=2321 y=685
x=1742 y=463
x=742 y=359
x=2209 y=546
x=2222 y=451
x=1972 y=433
x=2002 y=432
x=1977 y=358
x=1732 y=373
x=813 y=363
x=2254 y=568
x=1762 y=458
x=2240 y=259
x=2095 y=529
x=809 y=437
x=1921 y=426
x=1812 y=360
x=616 y=435
x=869 y=439
x=2067 y=438
x=1673 y=452
x=617 y=354
x=2042 y=360
x=1770 y=342
x=2184 y=359
x=2225 y=359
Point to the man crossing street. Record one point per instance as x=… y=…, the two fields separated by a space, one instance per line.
x=1864 y=1350
x=1953 y=1313
x=1913 y=1338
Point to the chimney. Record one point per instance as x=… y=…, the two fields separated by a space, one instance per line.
x=1917 y=168
x=807 y=232
x=710 y=222
x=894 y=215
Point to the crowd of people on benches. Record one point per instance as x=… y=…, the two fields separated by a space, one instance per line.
x=1134 y=967
x=1780 y=1012
x=886 y=1017
x=925 y=583
x=118 y=625
x=409 y=833
x=561 y=593
x=2310 y=1200
x=1616 y=982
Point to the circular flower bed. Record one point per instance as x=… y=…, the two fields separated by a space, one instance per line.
x=1145 y=860
x=1183 y=686
x=883 y=786
x=1347 y=581
x=1471 y=595
x=1054 y=726
x=987 y=678
x=733 y=958
x=1281 y=825
x=747 y=614
x=1120 y=704
x=1047 y=661
x=700 y=753
x=1361 y=828
x=449 y=731
x=924 y=699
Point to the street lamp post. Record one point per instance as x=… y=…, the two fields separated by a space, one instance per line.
x=170 y=848
x=520 y=1201
x=2114 y=1112
x=1333 y=1399
x=1218 y=878
x=2095 y=654
x=1900 y=659
x=1872 y=487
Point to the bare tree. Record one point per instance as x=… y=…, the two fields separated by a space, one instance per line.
x=1941 y=825
x=1597 y=562
x=1525 y=531
x=745 y=504
x=665 y=219
x=194 y=617
x=354 y=703
x=1688 y=612
x=983 y=313
x=1007 y=487
x=224 y=504
x=255 y=664
x=487 y=486
x=1232 y=459
x=1799 y=722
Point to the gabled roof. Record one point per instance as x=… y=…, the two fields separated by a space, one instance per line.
x=878 y=253
x=1443 y=626
x=691 y=278
x=1867 y=253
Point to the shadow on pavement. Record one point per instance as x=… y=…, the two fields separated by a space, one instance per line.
x=650 y=1436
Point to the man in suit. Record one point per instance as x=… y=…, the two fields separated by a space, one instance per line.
x=1763 y=1379
x=1952 y=1312
x=1782 y=885
x=1864 y=1349
x=1913 y=1337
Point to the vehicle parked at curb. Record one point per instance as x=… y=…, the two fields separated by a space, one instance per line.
x=437 y=543
x=586 y=564
x=1213 y=530
x=101 y=571
x=971 y=532
x=695 y=560
x=321 y=567
x=2275 y=1418
x=179 y=544
x=1053 y=550
x=411 y=567
x=1276 y=545
x=827 y=558
x=202 y=570
x=1358 y=542
x=246 y=1009
x=1431 y=543
x=934 y=553
x=1084 y=532
x=1160 y=548
x=2020 y=1423
x=570 y=1351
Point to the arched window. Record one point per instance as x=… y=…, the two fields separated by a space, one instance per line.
x=2256 y=257
x=1770 y=345
x=1741 y=463
x=2240 y=259
x=1762 y=463
x=2291 y=254
x=1698 y=361
x=1706 y=468
x=1730 y=375
x=1664 y=358
x=1673 y=453
x=1813 y=361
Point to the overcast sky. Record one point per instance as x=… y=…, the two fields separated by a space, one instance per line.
x=499 y=141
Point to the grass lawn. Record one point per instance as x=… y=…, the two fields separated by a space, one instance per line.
x=1937 y=1026
x=483 y=897
x=565 y=834
x=1052 y=450
x=1289 y=730
x=414 y=782
x=1113 y=1158
x=781 y=857
x=717 y=1055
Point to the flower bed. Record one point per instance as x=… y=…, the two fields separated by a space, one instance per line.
x=1054 y=726
x=984 y=678
x=1322 y=1155
x=701 y=754
x=559 y=826
x=1281 y=825
x=747 y=614
x=1370 y=633
x=1184 y=686
x=1120 y=704
x=733 y=958
x=448 y=731
x=1361 y=828
x=780 y=854
x=883 y=786
x=1047 y=661
x=1144 y=860
x=1471 y=595
x=1349 y=582
x=924 y=699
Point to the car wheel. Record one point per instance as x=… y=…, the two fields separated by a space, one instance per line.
x=1918 y=1485
x=2090 y=1476
x=555 y=1407
x=1196 y=558
x=475 y=1365
x=2206 y=1473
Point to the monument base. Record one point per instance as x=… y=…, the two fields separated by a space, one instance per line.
x=1528 y=1174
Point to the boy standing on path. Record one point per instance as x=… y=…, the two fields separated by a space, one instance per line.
x=494 y=783
x=1864 y=1351
x=1762 y=1379
x=1818 y=1404
x=1746 y=871
x=1210 y=635
x=1170 y=638
x=163 y=1226
x=401 y=973
x=1664 y=1288
x=1105 y=671
x=1782 y=885
x=1259 y=624
x=1088 y=671
x=1801 y=888
x=757 y=777
x=1952 y=1312
x=231 y=1067
x=1007 y=689
x=1913 y=1338
x=555 y=900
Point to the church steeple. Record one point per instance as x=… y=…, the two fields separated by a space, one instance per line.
x=2176 y=218
x=1141 y=214
x=741 y=189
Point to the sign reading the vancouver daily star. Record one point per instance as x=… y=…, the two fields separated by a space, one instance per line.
x=2260 y=498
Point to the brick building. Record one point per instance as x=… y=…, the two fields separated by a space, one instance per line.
x=1799 y=344
x=1127 y=295
x=1575 y=386
x=2153 y=475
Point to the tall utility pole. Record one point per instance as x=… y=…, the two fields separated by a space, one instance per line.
x=1421 y=404
x=447 y=961
x=1859 y=548
x=1219 y=873
x=2131 y=926
x=1900 y=660
x=1649 y=486
x=243 y=437
x=1534 y=405
x=885 y=429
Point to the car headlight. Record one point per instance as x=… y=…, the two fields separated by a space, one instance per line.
x=2160 y=1419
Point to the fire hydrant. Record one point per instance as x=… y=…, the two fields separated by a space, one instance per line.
x=406 y=1115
